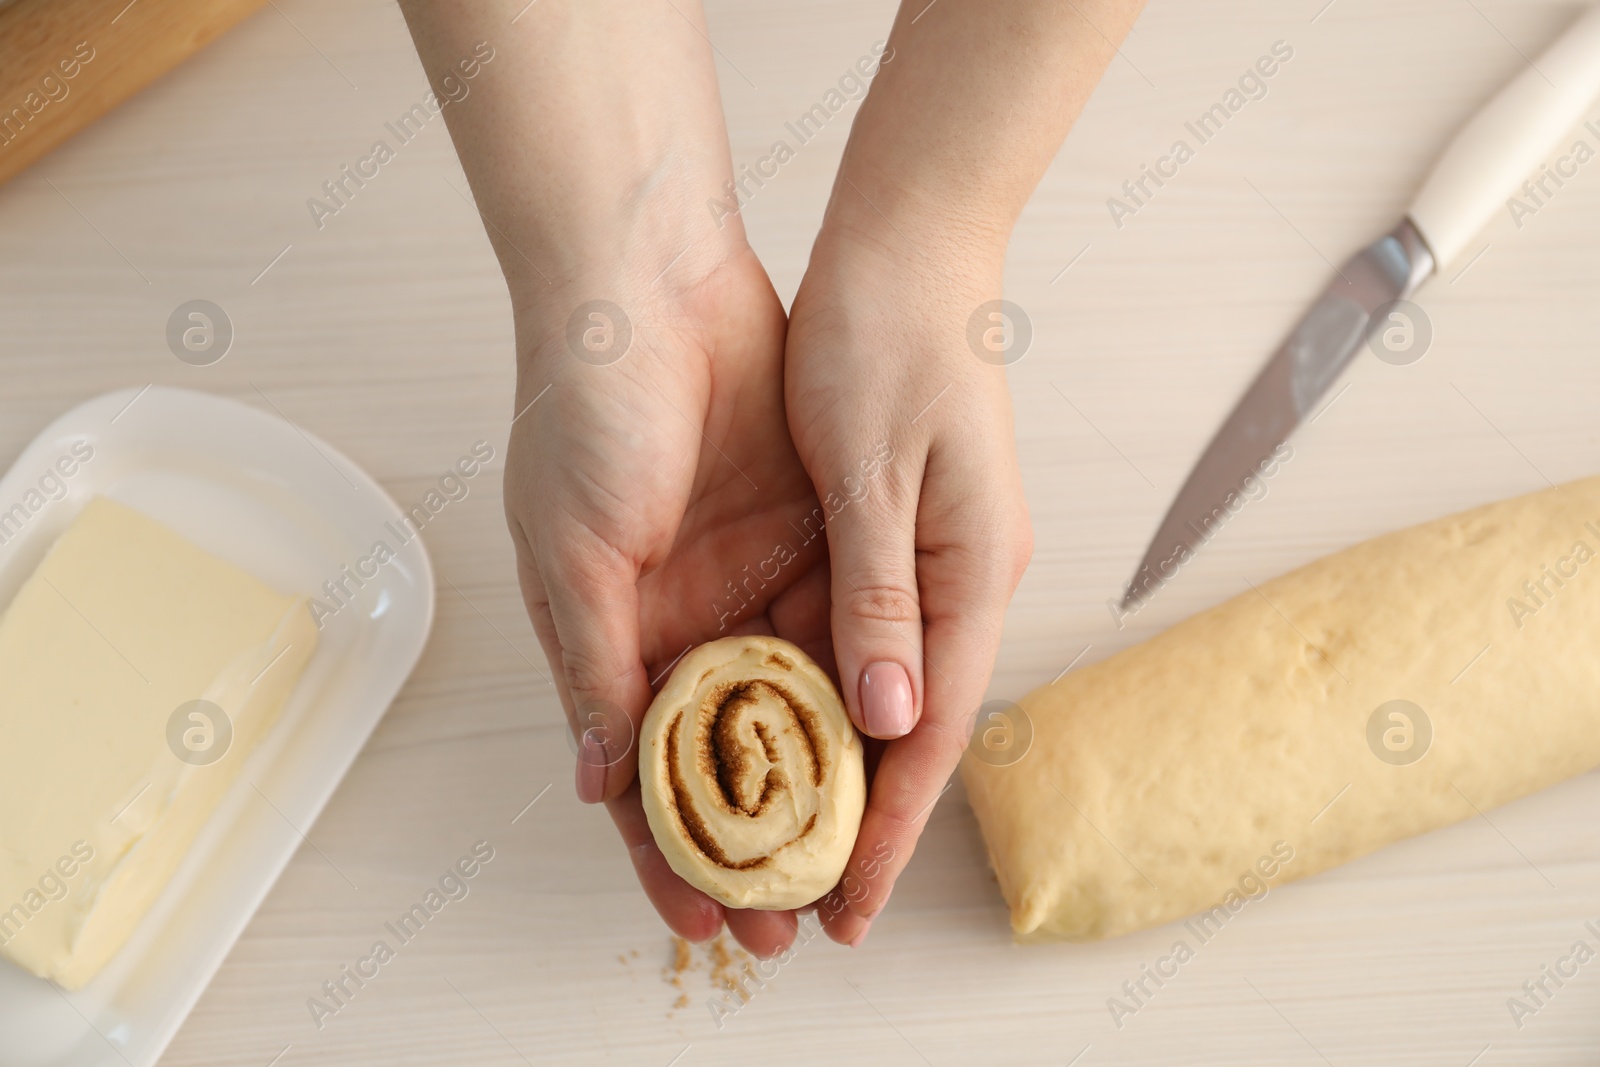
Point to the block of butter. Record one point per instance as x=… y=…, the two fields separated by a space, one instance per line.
x=139 y=671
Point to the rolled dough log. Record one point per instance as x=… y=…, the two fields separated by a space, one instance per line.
x=1175 y=776
x=752 y=774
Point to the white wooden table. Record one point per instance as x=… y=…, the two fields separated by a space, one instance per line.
x=387 y=332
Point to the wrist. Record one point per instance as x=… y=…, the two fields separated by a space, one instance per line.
x=901 y=255
x=591 y=163
x=678 y=279
x=645 y=228
x=913 y=225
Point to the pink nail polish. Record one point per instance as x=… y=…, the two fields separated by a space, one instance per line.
x=886 y=699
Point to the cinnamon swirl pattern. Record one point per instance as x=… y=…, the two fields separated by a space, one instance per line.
x=751 y=774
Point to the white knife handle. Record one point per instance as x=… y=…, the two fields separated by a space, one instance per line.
x=1503 y=143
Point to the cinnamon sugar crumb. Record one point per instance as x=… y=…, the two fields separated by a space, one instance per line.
x=681 y=959
x=726 y=966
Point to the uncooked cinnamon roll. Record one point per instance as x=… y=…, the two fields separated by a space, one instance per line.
x=751 y=774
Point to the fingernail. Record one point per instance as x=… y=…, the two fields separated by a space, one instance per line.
x=855 y=942
x=839 y=932
x=591 y=775
x=886 y=700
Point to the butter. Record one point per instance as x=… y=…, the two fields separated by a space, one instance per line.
x=108 y=769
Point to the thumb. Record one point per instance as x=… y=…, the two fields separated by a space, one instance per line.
x=877 y=614
x=594 y=607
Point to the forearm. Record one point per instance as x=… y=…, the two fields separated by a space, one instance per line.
x=592 y=141
x=970 y=106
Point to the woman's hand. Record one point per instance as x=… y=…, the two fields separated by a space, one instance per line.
x=894 y=335
x=637 y=491
x=922 y=567
x=649 y=460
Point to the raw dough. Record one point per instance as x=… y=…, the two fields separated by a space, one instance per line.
x=1176 y=776
x=751 y=773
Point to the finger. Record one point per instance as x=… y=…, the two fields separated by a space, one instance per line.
x=688 y=912
x=973 y=557
x=594 y=607
x=537 y=600
x=537 y=603
x=876 y=616
x=911 y=777
x=763 y=934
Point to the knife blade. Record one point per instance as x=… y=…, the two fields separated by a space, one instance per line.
x=1252 y=438
x=1482 y=166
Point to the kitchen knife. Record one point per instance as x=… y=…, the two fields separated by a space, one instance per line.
x=1481 y=168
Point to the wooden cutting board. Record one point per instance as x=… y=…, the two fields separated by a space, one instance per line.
x=64 y=63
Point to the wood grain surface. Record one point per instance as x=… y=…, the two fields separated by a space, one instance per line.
x=387 y=332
